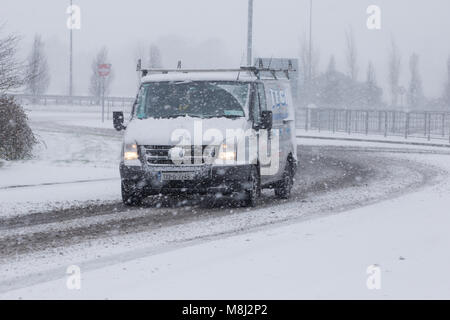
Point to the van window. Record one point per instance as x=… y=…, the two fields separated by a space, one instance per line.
x=262 y=97
x=256 y=108
x=201 y=99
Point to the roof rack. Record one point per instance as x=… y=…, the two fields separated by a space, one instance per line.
x=257 y=71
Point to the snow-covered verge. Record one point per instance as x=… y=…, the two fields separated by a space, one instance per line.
x=83 y=116
x=374 y=138
x=72 y=164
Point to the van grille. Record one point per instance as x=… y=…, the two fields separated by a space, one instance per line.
x=159 y=155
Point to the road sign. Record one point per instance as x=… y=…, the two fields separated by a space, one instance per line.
x=104 y=69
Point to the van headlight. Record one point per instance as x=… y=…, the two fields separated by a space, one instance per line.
x=130 y=152
x=227 y=153
x=227 y=156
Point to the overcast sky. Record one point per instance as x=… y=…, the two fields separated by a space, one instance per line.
x=213 y=33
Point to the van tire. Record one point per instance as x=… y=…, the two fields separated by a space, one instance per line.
x=254 y=192
x=131 y=196
x=284 y=187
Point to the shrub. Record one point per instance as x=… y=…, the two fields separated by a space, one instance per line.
x=16 y=137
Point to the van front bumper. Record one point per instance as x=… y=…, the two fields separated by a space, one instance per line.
x=208 y=179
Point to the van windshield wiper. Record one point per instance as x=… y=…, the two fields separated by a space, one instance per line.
x=184 y=115
x=229 y=116
x=172 y=116
x=222 y=116
x=175 y=116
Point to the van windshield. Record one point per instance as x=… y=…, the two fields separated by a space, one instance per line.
x=201 y=99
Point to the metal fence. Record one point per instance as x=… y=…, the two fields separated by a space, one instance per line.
x=416 y=124
x=74 y=100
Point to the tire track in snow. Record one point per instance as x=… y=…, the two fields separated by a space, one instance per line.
x=56 y=183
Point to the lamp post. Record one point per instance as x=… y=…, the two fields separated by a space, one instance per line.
x=250 y=33
x=71 y=57
x=310 y=41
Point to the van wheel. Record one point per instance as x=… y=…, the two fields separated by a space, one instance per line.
x=254 y=191
x=284 y=187
x=131 y=196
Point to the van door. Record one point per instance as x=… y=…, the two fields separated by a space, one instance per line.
x=260 y=105
x=280 y=102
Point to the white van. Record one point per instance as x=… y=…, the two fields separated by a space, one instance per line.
x=219 y=132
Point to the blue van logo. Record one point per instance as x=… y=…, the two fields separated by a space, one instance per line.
x=278 y=98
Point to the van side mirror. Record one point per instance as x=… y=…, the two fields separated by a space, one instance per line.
x=118 y=120
x=267 y=120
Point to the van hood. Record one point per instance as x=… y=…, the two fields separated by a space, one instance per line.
x=159 y=131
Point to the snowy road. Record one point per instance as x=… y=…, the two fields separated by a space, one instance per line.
x=36 y=246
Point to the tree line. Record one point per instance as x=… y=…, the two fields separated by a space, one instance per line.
x=33 y=75
x=334 y=88
x=330 y=87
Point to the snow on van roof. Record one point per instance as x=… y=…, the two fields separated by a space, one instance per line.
x=244 y=76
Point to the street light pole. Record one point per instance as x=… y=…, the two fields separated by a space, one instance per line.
x=71 y=56
x=310 y=42
x=250 y=33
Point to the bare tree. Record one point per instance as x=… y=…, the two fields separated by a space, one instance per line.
x=373 y=92
x=331 y=69
x=150 y=56
x=331 y=94
x=351 y=55
x=154 y=60
x=394 y=65
x=98 y=83
x=309 y=62
x=415 y=92
x=38 y=77
x=140 y=52
x=371 y=78
x=11 y=70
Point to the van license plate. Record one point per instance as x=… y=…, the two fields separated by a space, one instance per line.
x=177 y=176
